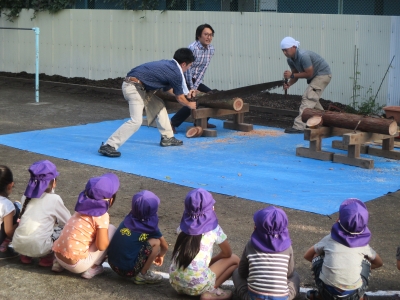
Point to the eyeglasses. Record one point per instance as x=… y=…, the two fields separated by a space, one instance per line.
x=208 y=34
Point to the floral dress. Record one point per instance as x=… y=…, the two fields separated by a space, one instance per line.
x=197 y=278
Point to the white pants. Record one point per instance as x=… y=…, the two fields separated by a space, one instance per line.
x=311 y=97
x=136 y=106
x=95 y=256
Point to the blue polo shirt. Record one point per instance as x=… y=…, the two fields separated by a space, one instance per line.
x=159 y=74
x=125 y=246
x=305 y=59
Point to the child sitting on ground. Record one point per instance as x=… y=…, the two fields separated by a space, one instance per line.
x=266 y=269
x=82 y=245
x=138 y=241
x=9 y=213
x=342 y=261
x=41 y=211
x=193 y=270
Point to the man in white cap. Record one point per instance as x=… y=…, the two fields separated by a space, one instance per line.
x=309 y=65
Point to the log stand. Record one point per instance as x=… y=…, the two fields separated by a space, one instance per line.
x=352 y=141
x=201 y=115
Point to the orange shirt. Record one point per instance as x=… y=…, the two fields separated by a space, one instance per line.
x=78 y=234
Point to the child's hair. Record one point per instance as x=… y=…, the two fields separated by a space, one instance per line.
x=28 y=199
x=6 y=177
x=186 y=249
x=198 y=218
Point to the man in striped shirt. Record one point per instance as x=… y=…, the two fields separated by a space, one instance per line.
x=203 y=51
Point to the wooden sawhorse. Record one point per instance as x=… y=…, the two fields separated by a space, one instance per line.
x=352 y=141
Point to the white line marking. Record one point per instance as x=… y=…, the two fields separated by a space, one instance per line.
x=302 y=290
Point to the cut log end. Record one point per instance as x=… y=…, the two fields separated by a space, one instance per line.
x=314 y=122
x=237 y=104
x=393 y=129
x=194 y=132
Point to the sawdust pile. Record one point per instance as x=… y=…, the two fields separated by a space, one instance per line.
x=261 y=132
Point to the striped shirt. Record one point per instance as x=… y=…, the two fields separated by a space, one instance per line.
x=267 y=273
x=202 y=57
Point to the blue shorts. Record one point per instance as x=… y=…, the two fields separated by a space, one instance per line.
x=255 y=296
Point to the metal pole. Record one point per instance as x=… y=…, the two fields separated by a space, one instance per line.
x=37 y=32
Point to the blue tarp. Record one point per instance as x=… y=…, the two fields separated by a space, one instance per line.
x=260 y=165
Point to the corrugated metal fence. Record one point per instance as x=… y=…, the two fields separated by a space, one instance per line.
x=100 y=44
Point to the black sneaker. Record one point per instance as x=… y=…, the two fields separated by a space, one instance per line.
x=9 y=253
x=293 y=130
x=172 y=141
x=109 y=151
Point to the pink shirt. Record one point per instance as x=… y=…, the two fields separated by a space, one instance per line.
x=78 y=234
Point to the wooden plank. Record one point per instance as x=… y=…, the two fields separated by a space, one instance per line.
x=316 y=145
x=209 y=133
x=392 y=154
x=361 y=137
x=339 y=145
x=388 y=144
x=238 y=126
x=364 y=163
x=217 y=112
x=321 y=155
x=238 y=118
x=353 y=151
x=323 y=132
x=201 y=122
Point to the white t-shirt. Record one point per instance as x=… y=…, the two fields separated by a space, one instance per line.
x=6 y=207
x=342 y=264
x=33 y=234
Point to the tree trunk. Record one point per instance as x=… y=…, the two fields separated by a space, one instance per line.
x=352 y=121
x=235 y=104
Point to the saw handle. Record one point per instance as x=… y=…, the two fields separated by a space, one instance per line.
x=286 y=82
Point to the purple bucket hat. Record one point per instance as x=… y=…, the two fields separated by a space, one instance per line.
x=271 y=233
x=351 y=230
x=42 y=172
x=143 y=217
x=199 y=216
x=93 y=201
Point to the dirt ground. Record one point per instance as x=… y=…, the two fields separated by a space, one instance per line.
x=68 y=106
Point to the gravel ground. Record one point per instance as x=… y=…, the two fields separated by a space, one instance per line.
x=69 y=106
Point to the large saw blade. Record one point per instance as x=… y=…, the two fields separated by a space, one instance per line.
x=242 y=91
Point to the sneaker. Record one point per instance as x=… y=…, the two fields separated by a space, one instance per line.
x=47 y=261
x=26 y=259
x=57 y=267
x=90 y=273
x=293 y=130
x=172 y=141
x=9 y=253
x=109 y=151
x=215 y=294
x=149 y=277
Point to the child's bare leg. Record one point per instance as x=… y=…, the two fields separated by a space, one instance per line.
x=224 y=268
x=155 y=244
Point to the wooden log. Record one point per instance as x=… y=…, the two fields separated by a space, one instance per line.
x=352 y=121
x=235 y=104
x=314 y=122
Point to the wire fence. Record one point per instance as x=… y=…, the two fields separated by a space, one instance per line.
x=347 y=7
x=356 y=7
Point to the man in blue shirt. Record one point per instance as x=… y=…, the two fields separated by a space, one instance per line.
x=309 y=65
x=203 y=51
x=139 y=87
